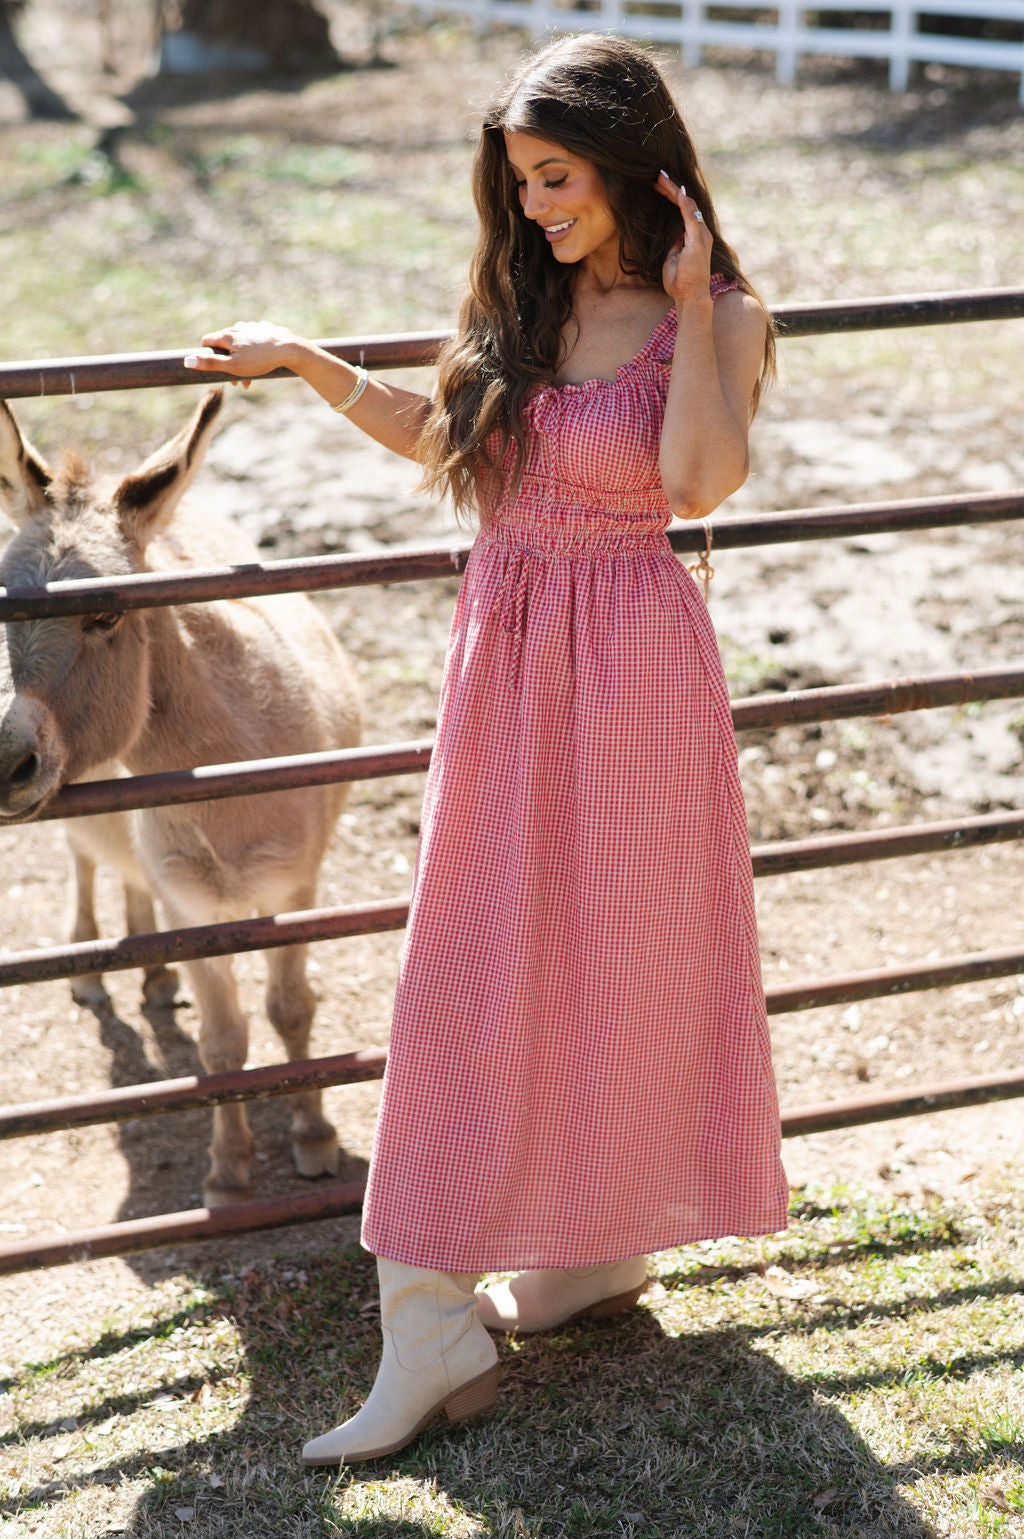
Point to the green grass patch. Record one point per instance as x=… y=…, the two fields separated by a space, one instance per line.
x=861 y=1375
x=233 y=162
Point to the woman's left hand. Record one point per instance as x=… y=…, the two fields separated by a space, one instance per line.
x=686 y=272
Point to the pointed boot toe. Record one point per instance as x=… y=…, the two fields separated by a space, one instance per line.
x=326 y=1450
x=437 y=1358
x=354 y=1440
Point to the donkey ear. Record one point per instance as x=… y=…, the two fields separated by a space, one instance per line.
x=24 y=474
x=145 y=502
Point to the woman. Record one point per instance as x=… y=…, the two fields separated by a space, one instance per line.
x=579 y=1070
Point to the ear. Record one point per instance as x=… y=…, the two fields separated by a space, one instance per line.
x=145 y=502
x=24 y=474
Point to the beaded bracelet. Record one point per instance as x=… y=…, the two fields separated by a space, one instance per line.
x=362 y=380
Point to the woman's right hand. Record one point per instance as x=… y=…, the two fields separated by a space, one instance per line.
x=394 y=417
x=248 y=349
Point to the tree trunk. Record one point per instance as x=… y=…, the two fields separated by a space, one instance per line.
x=290 y=36
x=39 y=98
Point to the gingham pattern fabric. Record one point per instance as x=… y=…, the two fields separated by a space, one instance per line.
x=579 y=1067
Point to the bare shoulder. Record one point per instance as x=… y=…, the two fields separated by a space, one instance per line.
x=739 y=321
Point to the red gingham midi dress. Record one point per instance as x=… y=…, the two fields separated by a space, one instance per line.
x=579 y=1067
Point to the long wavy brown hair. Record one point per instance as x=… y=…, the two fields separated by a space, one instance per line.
x=604 y=100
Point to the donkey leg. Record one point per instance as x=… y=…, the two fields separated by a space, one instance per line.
x=160 y=986
x=223 y=1045
x=290 y=1006
x=89 y=988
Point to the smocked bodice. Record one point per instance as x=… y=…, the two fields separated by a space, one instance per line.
x=590 y=474
x=590 y=478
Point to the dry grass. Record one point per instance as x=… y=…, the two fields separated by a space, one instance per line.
x=862 y=1375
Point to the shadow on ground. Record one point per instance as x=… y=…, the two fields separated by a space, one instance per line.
x=165 y=1156
x=599 y=1430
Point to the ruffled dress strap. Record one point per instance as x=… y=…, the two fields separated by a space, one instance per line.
x=720 y=284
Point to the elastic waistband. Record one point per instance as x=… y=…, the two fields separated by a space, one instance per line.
x=576 y=539
x=551 y=491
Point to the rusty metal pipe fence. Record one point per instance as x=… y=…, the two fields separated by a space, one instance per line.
x=142 y=371
x=767 y=712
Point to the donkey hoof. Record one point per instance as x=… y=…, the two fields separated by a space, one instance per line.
x=221 y=1194
x=315 y=1156
x=89 y=990
x=160 y=988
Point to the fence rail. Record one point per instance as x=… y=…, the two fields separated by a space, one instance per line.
x=195 y=1091
x=144 y=371
x=212 y=782
x=314 y=574
x=760 y=713
x=133 y=1236
x=900 y=32
x=194 y=942
x=127 y=1102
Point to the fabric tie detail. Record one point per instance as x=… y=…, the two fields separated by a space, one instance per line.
x=702 y=569
x=547 y=406
x=512 y=609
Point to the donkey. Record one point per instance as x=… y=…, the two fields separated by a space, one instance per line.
x=169 y=688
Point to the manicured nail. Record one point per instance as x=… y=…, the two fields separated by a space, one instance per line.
x=190 y=361
x=665 y=175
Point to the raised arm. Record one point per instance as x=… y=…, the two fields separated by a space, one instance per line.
x=249 y=349
x=703 y=455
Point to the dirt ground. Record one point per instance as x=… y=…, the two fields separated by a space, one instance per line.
x=789 y=616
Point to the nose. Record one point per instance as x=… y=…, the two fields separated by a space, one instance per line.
x=24 y=771
x=23 y=780
x=534 y=202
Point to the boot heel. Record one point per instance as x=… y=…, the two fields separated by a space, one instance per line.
x=475 y=1396
x=618 y=1305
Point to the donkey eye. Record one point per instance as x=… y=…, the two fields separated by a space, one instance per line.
x=102 y=622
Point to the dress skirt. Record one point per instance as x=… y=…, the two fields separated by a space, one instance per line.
x=579 y=1067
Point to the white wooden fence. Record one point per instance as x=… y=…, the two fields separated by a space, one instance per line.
x=896 y=30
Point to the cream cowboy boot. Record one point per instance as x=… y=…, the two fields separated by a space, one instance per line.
x=437 y=1357
x=539 y=1300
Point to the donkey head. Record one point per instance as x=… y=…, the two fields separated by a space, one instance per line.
x=75 y=690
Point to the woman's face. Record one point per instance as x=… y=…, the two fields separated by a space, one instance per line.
x=566 y=197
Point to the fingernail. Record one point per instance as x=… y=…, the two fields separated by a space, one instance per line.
x=190 y=361
x=665 y=175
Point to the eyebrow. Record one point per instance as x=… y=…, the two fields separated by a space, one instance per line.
x=551 y=160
